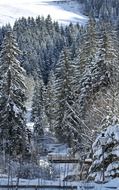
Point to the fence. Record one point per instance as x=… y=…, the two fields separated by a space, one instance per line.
x=37 y=187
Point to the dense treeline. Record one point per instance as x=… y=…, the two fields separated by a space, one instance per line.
x=104 y=9
x=41 y=41
x=82 y=89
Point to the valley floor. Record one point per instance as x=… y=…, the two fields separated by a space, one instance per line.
x=62 y=170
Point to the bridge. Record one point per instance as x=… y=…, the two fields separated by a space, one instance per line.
x=56 y=158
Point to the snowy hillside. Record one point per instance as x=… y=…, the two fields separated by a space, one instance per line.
x=62 y=11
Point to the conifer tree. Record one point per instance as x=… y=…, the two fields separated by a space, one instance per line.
x=99 y=84
x=64 y=96
x=38 y=108
x=50 y=102
x=88 y=45
x=106 y=159
x=12 y=97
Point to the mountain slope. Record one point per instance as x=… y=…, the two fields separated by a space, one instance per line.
x=60 y=10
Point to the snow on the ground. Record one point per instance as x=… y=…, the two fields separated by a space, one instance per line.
x=57 y=148
x=30 y=126
x=28 y=114
x=64 y=12
x=113 y=184
x=62 y=170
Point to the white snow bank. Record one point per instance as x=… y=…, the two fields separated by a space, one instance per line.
x=30 y=126
x=113 y=183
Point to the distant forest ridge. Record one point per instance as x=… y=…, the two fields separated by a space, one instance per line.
x=108 y=9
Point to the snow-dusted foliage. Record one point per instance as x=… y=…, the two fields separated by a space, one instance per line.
x=12 y=97
x=37 y=108
x=26 y=170
x=50 y=102
x=98 y=86
x=103 y=9
x=32 y=171
x=77 y=87
x=38 y=114
x=106 y=159
x=100 y=68
x=64 y=74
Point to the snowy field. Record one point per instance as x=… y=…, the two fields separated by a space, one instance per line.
x=114 y=184
x=62 y=12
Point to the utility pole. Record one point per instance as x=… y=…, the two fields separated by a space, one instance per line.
x=103 y=140
x=103 y=173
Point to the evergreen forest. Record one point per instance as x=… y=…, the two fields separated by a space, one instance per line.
x=75 y=72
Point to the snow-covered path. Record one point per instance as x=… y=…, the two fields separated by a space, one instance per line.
x=64 y=12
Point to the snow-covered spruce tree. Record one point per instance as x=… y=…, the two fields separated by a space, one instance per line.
x=51 y=104
x=82 y=64
x=99 y=80
x=12 y=97
x=81 y=67
x=38 y=108
x=64 y=97
x=111 y=152
x=86 y=56
x=88 y=45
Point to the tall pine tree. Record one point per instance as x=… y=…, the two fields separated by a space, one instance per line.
x=12 y=97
